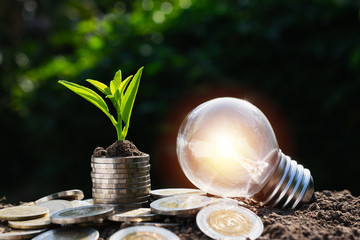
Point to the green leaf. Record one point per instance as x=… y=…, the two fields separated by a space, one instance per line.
x=100 y=86
x=89 y=95
x=117 y=77
x=128 y=99
x=123 y=84
x=113 y=87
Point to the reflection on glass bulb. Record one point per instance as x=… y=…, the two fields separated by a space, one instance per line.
x=227 y=147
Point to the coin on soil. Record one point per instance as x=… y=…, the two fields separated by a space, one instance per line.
x=119 y=175
x=144 y=232
x=229 y=222
x=55 y=205
x=134 y=215
x=74 y=194
x=22 y=213
x=133 y=159
x=181 y=205
x=119 y=165
x=122 y=181
x=121 y=170
x=70 y=233
x=8 y=233
x=38 y=223
x=169 y=192
x=81 y=214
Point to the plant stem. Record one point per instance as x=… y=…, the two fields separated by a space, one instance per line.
x=119 y=127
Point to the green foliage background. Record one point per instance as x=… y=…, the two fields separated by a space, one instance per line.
x=298 y=61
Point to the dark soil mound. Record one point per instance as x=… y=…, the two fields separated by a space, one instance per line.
x=118 y=149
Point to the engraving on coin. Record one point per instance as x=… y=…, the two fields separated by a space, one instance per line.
x=69 y=233
x=74 y=194
x=81 y=214
x=229 y=222
x=55 y=205
x=169 y=192
x=22 y=213
x=144 y=232
x=180 y=205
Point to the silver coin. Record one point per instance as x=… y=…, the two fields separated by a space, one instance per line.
x=81 y=214
x=119 y=175
x=181 y=205
x=20 y=213
x=121 y=185
x=134 y=215
x=121 y=206
x=7 y=233
x=74 y=194
x=119 y=165
x=121 y=170
x=122 y=181
x=169 y=192
x=69 y=233
x=118 y=196
x=145 y=189
x=144 y=232
x=229 y=222
x=121 y=200
x=38 y=223
x=132 y=159
x=55 y=205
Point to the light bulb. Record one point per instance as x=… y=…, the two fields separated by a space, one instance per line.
x=227 y=147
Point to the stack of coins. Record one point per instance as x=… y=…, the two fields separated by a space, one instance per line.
x=122 y=182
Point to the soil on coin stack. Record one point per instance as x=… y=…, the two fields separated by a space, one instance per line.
x=123 y=148
x=332 y=215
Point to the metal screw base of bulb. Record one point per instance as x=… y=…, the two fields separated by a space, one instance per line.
x=290 y=185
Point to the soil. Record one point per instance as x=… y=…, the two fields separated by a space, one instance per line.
x=123 y=148
x=332 y=215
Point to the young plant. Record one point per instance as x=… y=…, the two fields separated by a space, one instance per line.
x=121 y=93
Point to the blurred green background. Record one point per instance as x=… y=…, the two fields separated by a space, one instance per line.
x=298 y=61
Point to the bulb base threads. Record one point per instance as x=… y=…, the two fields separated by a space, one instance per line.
x=290 y=185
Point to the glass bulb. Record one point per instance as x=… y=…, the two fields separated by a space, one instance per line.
x=227 y=147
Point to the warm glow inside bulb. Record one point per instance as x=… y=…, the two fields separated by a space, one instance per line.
x=226 y=147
